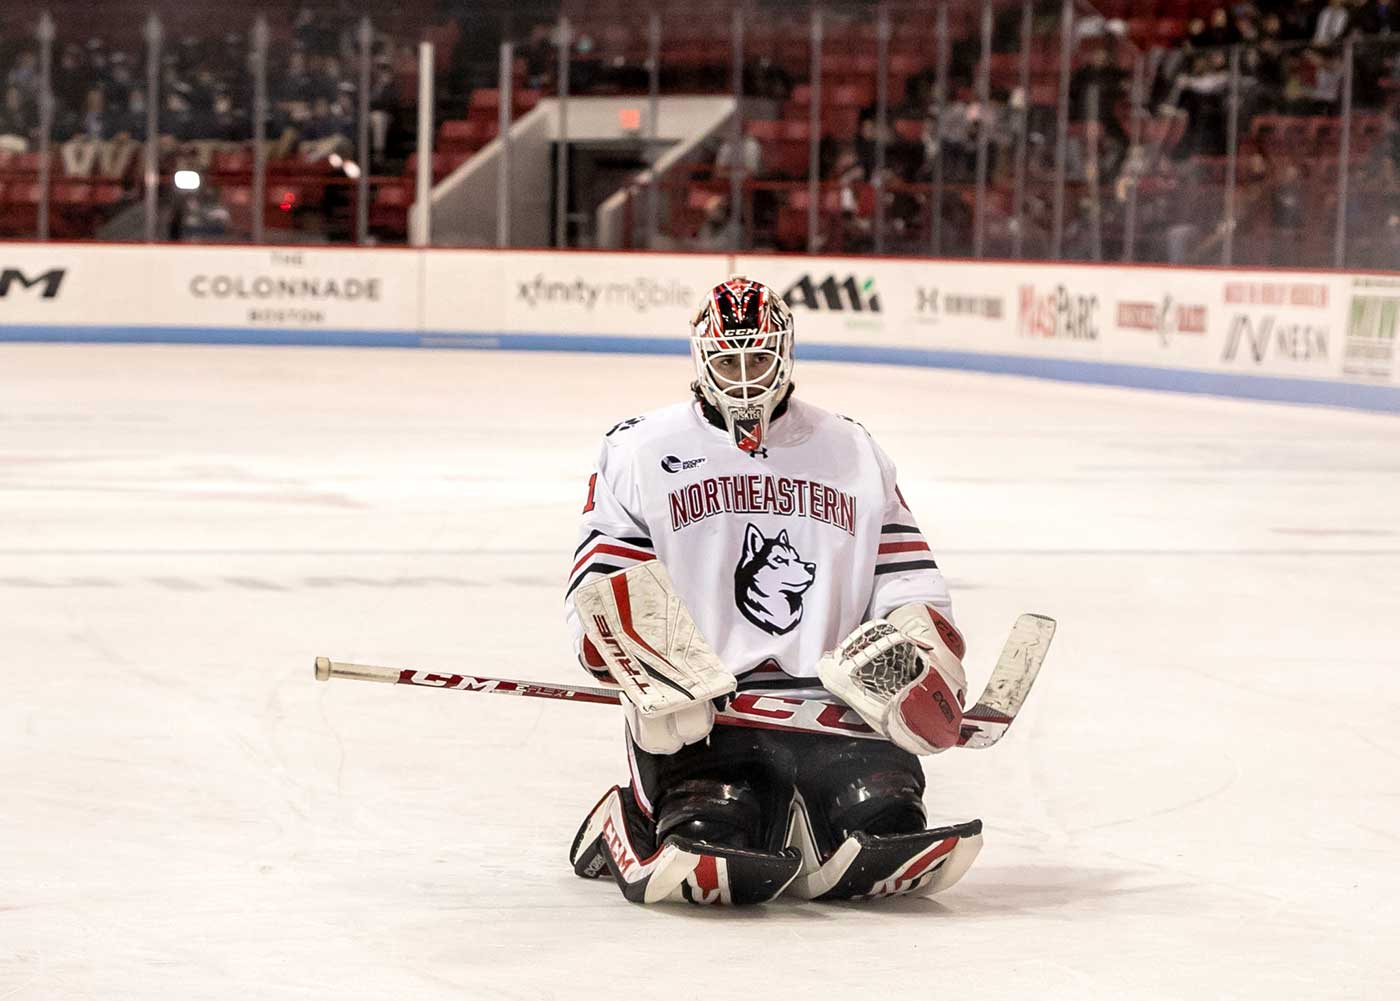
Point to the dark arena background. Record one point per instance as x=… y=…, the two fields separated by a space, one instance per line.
x=313 y=316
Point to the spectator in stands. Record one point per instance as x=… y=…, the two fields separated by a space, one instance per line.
x=958 y=141
x=199 y=215
x=541 y=55
x=1331 y=23
x=96 y=123
x=1390 y=144
x=328 y=80
x=1379 y=17
x=230 y=123
x=1203 y=93
x=1105 y=81
x=328 y=120
x=71 y=79
x=867 y=142
x=177 y=118
x=133 y=120
x=119 y=80
x=1299 y=19
x=1314 y=83
x=767 y=79
x=1195 y=34
x=15 y=121
x=1247 y=24
x=385 y=107
x=1288 y=213
x=24 y=75
x=747 y=156
x=1219 y=31
x=295 y=85
x=314 y=30
x=717 y=231
x=1268 y=62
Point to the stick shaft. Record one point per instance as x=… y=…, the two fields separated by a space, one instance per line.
x=749 y=709
x=983 y=725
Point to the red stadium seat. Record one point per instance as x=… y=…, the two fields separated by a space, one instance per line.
x=1324 y=135
x=444 y=163
x=765 y=129
x=851 y=96
x=787 y=157
x=791 y=230
x=389 y=208
x=464 y=136
x=236 y=161
x=1168 y=30
x=70 y=193
x=1366 y=132
x=906 y=64
x=840 y=123
x=484 y=99
x=909 y=129
x=797 y=130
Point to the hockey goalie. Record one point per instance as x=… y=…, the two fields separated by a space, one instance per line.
x=744 y=541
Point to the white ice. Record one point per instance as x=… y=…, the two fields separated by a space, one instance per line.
x=1201 y=799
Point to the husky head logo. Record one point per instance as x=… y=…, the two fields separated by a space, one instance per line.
x=770 y=580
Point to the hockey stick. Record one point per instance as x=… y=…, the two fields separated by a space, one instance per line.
x=983 y=725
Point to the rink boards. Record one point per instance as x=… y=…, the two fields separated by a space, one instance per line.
x=1314 y=337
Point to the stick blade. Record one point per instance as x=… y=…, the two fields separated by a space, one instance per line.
x=1016 y=669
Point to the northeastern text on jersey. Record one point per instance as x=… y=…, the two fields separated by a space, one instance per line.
x=762 y=494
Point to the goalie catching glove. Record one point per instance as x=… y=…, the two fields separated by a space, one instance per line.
x=903 y=674
x=667 y=672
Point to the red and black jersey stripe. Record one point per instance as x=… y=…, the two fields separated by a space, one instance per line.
x=903 y=548
x=601 y=554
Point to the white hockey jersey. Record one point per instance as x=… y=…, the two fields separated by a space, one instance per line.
x=778 y=555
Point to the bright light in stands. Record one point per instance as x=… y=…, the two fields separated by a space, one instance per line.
x=187 y=180
x=352 y=170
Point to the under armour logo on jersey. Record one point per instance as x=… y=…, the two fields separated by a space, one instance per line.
x=770 y=580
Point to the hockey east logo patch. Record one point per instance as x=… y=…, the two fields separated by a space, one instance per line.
x=770 y=580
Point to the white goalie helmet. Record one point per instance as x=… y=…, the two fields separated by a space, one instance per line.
x=741 y=342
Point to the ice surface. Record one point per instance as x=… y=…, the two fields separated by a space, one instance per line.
x=1201 y=800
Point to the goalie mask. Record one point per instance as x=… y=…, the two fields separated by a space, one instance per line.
x=741 y=341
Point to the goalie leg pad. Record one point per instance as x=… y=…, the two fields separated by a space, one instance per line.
x=868 y=866
x=613 y=839
x=859 y=821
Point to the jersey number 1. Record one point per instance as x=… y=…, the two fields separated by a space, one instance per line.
x=592 y=485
